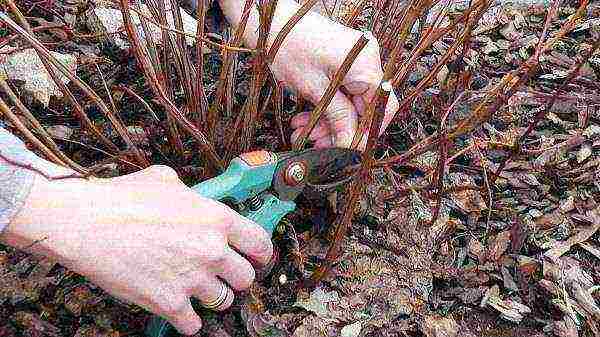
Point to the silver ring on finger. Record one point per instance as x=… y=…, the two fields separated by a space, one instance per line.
x=224 y=293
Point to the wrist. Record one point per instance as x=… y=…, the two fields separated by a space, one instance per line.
x=50 y=216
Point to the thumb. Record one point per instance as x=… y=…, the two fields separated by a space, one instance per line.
x=342 y=117
x=185 y=319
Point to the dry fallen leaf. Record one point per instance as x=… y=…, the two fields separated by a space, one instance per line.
x=498 y=246
x=80 y=299
x=591 y=248
x=94 y=331
x=582 y=235
x=318 y=302
x=466 y=200
x=565 y=328
x=109 y=21
x=438 y=326
x=35 y=325
x=315 y=327
x=476 y=250
x=584 y=152
x=351 y=330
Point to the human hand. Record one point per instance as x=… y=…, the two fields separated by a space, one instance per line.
x=308 y=60
x=308 y=64
x=145 y=238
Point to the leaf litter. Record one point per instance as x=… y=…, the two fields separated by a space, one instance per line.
x=519 y=257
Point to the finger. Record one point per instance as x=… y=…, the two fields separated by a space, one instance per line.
x=358 y=87
x=359 y=104
x=300 y=120
x=236 y=271
x=342 y=118
x=296 y=134
x=183 y=317
x=320 y=131
x=340 y=113
x=210 y=289
x=250 y=239
x=324 y=142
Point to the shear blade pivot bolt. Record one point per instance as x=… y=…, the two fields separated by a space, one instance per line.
x=295 y=173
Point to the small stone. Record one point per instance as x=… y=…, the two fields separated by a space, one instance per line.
x=26 y=66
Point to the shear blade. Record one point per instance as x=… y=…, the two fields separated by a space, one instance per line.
x=326 y=170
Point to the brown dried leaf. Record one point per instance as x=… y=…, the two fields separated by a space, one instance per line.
x=568 y=204
x=318 y=302
x=474 y=278
x=94 y=331
x=527 y=265
x=509 y=281
x=498 y=246
x=591 y=248
x=79 y=299
x=550 y=220
x=438 y=326
x=467 y=200
x=529 y=179
x=7 y=331
x=584 y=234
x=584 y=152
x=315 y=327
x=550 y=287
x=476 y=250
x=17 y=289
x=565 y=328
x=510 y=310
x=35 y=324
x=471 y=295
x=585 y=300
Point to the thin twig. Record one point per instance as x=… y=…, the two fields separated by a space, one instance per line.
x=377 y=108
x=140 y=99
x=542 y=113
x=37 y=128
x=442 y=155
x=329 y=93
x=28 y=166
x=177 y=31
x=45 y=54
x=46 y=59
x=141 y=55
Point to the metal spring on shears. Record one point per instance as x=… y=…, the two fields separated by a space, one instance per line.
x=254 y=202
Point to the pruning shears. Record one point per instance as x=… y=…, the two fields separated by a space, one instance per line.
x=263 y=185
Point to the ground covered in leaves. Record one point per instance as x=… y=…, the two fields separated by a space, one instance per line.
x=516 y=256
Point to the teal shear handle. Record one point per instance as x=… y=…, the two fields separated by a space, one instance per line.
x=244 y=182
